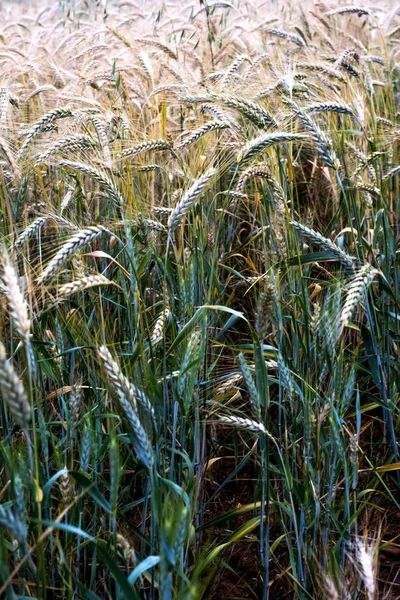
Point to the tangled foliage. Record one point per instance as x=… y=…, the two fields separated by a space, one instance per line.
x=200 y=299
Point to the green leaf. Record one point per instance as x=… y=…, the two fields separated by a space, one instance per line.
x=64 y=527
x=187 y=329
x=127 y=591
x=146 y=564
x=312 y=257
x=226 y=309
x=91 y=489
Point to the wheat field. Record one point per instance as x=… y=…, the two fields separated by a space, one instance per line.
x=200 y=300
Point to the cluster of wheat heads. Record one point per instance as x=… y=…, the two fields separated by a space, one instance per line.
x=199 y=297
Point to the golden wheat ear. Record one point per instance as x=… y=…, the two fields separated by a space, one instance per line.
x=189 y=199
x=81 y=238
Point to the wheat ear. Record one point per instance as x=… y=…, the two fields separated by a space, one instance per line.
x=356 y=292
x=29 y=231
x=326 y=245
x=285 y=35
x=348 y=10
x=248 y=424
x=82 y=237
x=42 y=123
x=70 y=143
x=82 y=284
x=365 y=557
x=100 y=176
x=127 y=401
x=149 y=146
x=201 y=131
x=189 y=199
x=17 y=304
x=13 y=391
x=266 y=140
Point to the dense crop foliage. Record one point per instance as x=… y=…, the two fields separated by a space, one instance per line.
x=200 y=300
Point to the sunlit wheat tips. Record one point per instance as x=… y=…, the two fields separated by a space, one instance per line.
x=189 y=198
x=13 y=392
x=81 y=238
